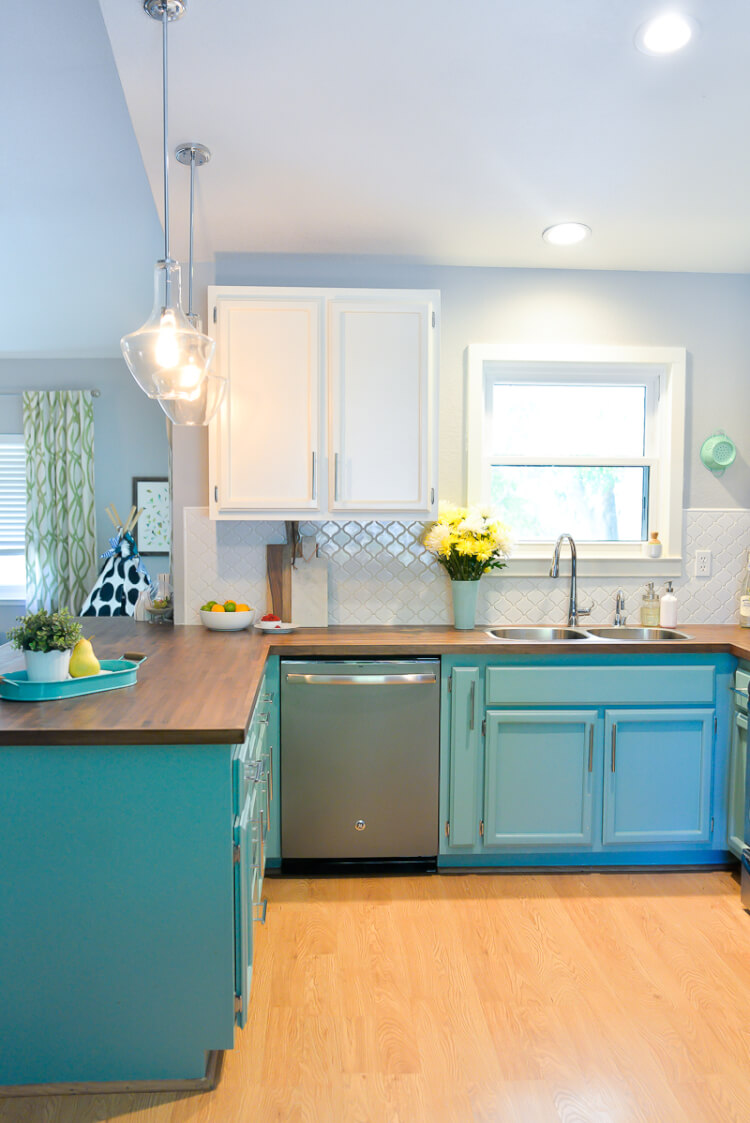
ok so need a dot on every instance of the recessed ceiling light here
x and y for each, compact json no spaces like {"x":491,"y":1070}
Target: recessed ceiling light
{"x":666,"y":33}
{"x":566,"y":233}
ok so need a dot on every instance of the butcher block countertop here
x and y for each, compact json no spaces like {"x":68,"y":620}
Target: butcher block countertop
{"x":198,"y":687}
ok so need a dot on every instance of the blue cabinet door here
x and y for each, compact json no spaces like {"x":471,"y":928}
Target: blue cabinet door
{"x":657,"y":775}
{"x":243,"y":904}
{"x":737,"y":827}
{"x":466,"y":721}
{"x":539,"y":770}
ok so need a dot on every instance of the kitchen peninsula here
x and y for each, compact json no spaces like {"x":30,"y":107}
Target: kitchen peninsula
{"x":122,"y":954}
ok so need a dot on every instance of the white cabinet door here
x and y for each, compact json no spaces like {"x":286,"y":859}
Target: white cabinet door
{"x":381,"y":358}
{"x":265,"y":444}
{"x":359,"y":364}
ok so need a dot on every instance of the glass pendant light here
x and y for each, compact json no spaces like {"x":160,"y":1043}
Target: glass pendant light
{"x":167,"y":356}
{"x":198,"y":407}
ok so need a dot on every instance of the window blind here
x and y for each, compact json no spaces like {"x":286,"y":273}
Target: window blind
{"x":12,"y":494}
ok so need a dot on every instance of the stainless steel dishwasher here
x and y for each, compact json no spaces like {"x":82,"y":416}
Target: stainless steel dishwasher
{"x":359,"y":764}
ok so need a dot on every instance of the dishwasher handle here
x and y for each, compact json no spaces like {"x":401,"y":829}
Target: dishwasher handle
{"x":297,"y":677}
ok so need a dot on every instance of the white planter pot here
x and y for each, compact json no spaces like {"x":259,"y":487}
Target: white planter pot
{"x":47,"y":666}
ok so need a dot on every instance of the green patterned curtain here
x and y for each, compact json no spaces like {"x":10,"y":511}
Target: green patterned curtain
{"x":58,"y":427}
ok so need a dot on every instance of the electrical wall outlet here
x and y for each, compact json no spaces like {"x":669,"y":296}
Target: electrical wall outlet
{"x":702,"y":563}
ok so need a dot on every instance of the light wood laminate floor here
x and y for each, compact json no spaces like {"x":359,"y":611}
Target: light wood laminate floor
{"x":552,"y":998}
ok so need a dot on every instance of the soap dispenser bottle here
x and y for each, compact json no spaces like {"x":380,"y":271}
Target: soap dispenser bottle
{"x":650,"y":607}
{"x":668,"y":608}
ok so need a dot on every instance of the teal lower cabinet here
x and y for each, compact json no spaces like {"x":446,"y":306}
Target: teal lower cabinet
{"x":539,"y":772}
{"x":131,"y":885}
{"x":585,"y":760}
{"x":737,"y":832}
{"x":658,"y":775}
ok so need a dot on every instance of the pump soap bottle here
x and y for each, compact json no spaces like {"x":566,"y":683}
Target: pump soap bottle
{"x":668,"y":608}
{"x":745,"y":597}
{"x":650,"y":607}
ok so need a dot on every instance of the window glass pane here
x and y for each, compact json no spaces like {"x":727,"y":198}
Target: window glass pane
{"x":598,"y":504}
{"x":542,"y":421}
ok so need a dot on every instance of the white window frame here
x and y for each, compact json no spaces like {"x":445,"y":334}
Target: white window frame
{"x":662,"y":371}
{"x":12,"y":594}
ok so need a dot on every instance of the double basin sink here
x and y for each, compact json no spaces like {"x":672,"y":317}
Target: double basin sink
{"x":564,"y":635}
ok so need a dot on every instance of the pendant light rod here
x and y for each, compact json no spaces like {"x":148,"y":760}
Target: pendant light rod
{"x":165,"y":11}
{"x":165,"y":127}
{"x":196,"y":155}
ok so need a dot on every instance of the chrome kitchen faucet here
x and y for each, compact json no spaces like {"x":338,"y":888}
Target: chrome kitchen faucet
{"x":573,"y":610}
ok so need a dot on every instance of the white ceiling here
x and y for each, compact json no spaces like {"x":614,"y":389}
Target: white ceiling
{"x":431,"y":130}
{"x":453,"y":131}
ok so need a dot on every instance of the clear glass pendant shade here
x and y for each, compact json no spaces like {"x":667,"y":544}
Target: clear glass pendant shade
{"x":200,"y":407}
{"x":167,"y":357}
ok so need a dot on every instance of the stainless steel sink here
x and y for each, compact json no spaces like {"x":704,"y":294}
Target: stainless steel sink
{"x":625,"y":634}
{"x":537,"y":635}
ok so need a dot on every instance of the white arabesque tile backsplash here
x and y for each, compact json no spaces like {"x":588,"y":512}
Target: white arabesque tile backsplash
{"x":379,"y":573}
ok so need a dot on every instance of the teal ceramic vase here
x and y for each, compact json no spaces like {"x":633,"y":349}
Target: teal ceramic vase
{"x":464,"y":603}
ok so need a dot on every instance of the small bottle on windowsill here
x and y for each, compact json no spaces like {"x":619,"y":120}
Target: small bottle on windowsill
{"x":652,"y":548}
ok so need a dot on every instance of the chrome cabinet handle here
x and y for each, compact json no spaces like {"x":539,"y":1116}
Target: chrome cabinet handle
{"x":267,"y":697}
{"x":253,"y":771}
{"x":472,"y":700}
{"x":314,"y":476}
{"x":591,"y":747}
{"x":742,"y":721}
{"x":614,"y":744}
{"x":336,"y":476}
{"x":263,"y":719}
{"x":262,"y":906}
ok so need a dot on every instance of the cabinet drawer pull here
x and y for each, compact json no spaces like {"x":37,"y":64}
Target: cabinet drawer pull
{"x":262,"y":907}
{"x":472,"y":699}
{"x":336,"y":476}
{"x":614,"y":744}
{"x":591,"y":747}
{"x":314,"y":476}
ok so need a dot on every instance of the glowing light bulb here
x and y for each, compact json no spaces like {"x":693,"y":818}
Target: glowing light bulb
{"x":167,"y":351}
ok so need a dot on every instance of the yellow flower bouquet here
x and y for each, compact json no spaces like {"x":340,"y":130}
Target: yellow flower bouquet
{"x":468,"y":541}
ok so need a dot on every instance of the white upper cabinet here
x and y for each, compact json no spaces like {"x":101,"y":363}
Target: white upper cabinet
{"x":331,"y":405}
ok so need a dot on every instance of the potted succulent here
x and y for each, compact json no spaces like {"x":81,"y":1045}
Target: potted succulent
{"x":46,"y":639}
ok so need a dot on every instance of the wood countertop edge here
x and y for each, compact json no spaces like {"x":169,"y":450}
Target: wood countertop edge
{"x":135,"y":718}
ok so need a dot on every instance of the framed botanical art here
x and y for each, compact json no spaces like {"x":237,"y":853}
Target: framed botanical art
{"x":152,"y":531}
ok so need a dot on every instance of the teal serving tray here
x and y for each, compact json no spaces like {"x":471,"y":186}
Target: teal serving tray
{"x":114,"y":675}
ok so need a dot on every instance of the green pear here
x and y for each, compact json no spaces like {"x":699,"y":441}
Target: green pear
{"x":83,"y":662}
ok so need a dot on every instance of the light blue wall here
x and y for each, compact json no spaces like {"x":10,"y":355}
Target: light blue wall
{"x":129,"y":433}
{"x":704,"y":312}
{"x":707,"y":313}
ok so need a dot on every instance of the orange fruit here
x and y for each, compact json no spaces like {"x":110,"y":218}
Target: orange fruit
{"x":243,"y":607}
{"x":218,"y":608}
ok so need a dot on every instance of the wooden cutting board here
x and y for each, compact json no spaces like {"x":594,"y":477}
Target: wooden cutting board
{"x":279,"y":580}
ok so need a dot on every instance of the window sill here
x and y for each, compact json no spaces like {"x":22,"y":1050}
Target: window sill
{"x":10,"y":594}
{"x":592,"y":566}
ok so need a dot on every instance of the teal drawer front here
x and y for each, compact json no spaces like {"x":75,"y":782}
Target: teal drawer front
{"x":598,"y":686}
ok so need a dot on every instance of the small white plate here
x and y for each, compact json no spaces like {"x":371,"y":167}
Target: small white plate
{"x":274,"y":626}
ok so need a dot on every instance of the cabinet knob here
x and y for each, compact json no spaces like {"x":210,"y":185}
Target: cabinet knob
{"x":360,"y":825}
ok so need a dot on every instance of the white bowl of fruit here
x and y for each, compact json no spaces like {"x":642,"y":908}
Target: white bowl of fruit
{"x":229,"y":616}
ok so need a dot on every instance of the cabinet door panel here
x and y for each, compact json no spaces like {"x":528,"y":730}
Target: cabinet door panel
{"x":539,"y":777}
{"x":738,"y":833}
{"x":379,"y":364}
{"x":657,"y":784}
{"x":465,"y":724}
{"x":268,"y":428}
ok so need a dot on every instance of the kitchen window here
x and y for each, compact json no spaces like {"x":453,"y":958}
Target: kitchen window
{"x":585,"y":440}
{"x":12,"y":517}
